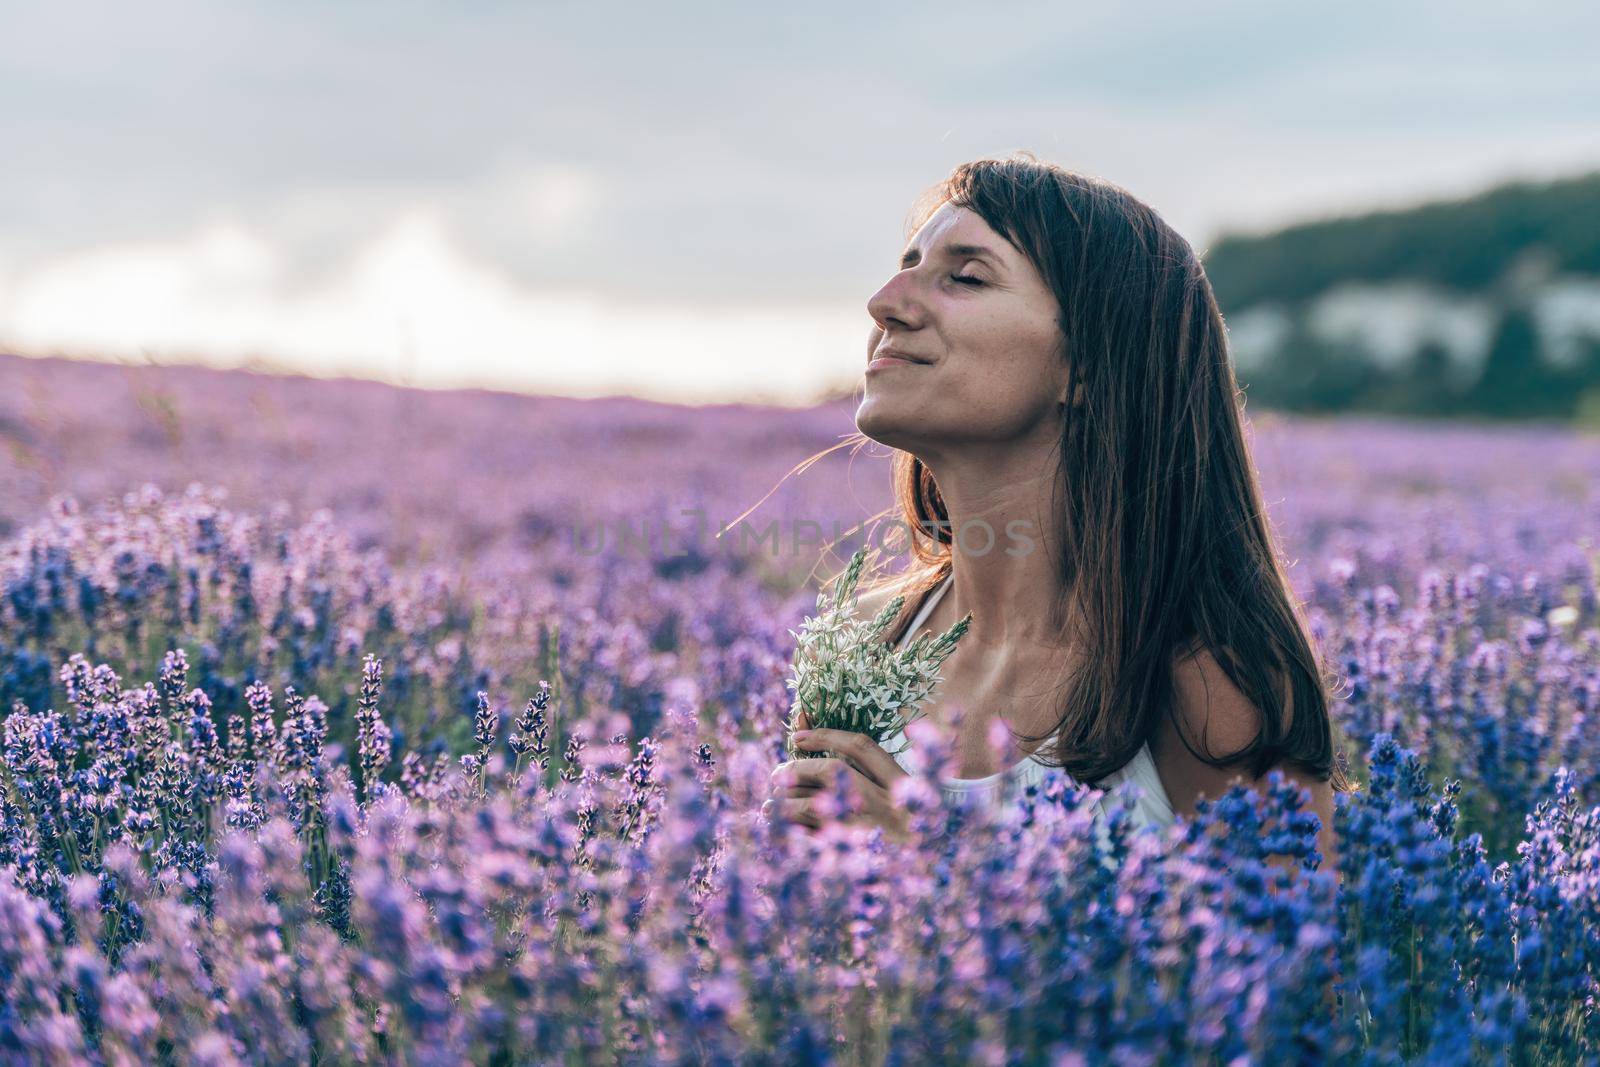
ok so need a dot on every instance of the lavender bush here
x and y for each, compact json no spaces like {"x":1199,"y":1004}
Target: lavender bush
{"x":273,"y":790}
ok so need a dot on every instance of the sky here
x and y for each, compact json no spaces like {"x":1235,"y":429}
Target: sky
{"x":690,"y":202}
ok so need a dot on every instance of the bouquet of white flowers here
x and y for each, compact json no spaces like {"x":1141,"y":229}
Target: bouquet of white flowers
{"x":844,"y":678}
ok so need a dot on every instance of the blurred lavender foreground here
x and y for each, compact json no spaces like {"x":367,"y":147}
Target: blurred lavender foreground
{"x":325,"y":740}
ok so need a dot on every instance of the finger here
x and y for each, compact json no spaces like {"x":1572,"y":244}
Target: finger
{"x":798,"y":811}
{"x":780,"y":776}
{"x":791,"y":786}
{"x":816,"y":772}
{"x":804,"y":721}
{"x":846,"y":789}
{"x":856,"y":749}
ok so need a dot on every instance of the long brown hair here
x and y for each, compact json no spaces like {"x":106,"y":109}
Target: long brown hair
{"x":1165,"y":543}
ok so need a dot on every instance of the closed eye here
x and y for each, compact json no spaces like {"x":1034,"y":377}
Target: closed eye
{"x":966,"y":279}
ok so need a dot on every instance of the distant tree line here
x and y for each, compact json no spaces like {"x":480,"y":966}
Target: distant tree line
{"x":1515,"y":380}
{"x":1463,"y":246}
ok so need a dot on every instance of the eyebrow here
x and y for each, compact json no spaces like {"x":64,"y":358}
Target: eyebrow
{"x":912,"y":255}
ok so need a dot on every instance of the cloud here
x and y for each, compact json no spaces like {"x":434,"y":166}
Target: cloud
{"x":412,"y":305}
{"x":716,"y":157}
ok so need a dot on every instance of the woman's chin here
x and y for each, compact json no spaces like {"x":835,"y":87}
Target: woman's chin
{"x":882,"y":422}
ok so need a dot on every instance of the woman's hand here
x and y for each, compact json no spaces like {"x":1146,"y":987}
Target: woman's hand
{"x":869,"y":770}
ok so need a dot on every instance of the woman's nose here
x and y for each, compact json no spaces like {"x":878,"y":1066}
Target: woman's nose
{"x":891,"y":305}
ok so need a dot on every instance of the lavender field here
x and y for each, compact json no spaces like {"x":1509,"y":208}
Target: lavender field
{"x":349,"y":724}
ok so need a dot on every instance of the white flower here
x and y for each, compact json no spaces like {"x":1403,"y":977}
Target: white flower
{"x":846,"y":678}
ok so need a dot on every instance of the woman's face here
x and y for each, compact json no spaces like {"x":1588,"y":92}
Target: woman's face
{"x":982,"y":328}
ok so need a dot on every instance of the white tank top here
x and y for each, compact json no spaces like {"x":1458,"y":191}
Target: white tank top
{"x":1152,"y":806}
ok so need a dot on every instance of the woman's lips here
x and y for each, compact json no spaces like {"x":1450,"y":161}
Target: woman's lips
{"x":886,"y":357}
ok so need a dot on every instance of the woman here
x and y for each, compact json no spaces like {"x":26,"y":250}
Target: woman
{"x":1051,"y":365}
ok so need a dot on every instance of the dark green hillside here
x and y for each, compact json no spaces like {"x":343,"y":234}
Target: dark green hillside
{"x":1499,"y":255}
{"x":1461,"y":245}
